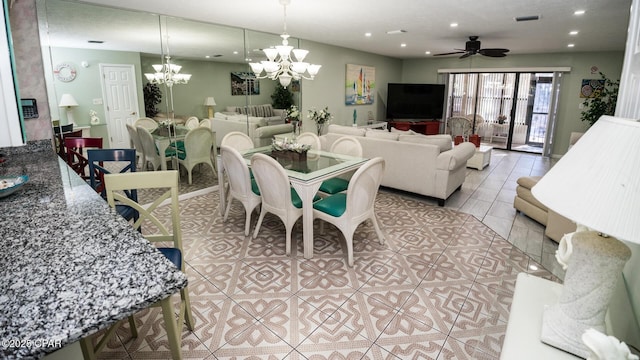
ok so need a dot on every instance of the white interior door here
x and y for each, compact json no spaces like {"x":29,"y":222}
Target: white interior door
{"x":121,"y":96}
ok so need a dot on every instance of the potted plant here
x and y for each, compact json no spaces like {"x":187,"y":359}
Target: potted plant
{"x":152,"y":97}
{"x":603,"y":102}
{"x":281,"y":97}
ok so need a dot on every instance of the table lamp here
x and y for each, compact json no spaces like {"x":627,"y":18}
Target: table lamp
{"x":69,"y":102}
{"x":210,"y":102}
{"x":596,"y":184}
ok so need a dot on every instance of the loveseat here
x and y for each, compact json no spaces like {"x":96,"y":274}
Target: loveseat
{"x":423,"y":164}
{"x":259,"y":129}
{"x":270,"y":115}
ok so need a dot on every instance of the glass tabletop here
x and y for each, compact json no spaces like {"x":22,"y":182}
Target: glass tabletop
{"x":313,"y":164}
{"x":164,"y":133}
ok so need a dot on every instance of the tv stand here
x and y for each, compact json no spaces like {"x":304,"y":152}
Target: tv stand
{"x":427,"y":127}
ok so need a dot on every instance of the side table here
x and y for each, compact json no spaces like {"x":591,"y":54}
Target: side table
{"x":481,"y":158}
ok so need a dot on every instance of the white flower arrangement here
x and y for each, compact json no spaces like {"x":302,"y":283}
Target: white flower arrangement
{"x":166,"y":123}
{"x":293,"y":114}
{"x":320,"y":117}
{"x":288,"y":145}
{"x":93,"y":115}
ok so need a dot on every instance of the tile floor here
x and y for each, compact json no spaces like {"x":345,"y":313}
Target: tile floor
{"x":440,"y":287}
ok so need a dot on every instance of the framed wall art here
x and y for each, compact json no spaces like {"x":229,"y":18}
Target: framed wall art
{"x":360,"y":84}
{"x":244,"y":83}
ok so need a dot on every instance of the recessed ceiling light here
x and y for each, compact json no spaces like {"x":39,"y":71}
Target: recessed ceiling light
{"x":207,"y":56}
{"x":427,"y":52}
{"x":571,"y":45}
{"x":579,"y":12}
{"x":403,"y":45}
{"x":573,"y":33}
{"x":533,"y":267}
{"x":235,"y":53}
{"x":453,"y":25}
{"x":367,"y":34}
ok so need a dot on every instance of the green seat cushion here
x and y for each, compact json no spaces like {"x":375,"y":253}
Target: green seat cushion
{"x":170,"y":152}
{"x":297,"y":202}
{"x":254,"y":187}
{"x":180,"y":153}
{"x":334,"y":205}
{"x":177,"y":145}
{"x":334,"y":186}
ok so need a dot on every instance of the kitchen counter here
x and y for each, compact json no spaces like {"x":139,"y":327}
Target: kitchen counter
{"x":69,"y":265}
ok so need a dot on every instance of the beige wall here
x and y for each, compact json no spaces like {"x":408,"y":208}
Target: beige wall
{"x":610,"y":63}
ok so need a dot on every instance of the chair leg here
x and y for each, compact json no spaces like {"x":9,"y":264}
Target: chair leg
{"x":172,"y":328}
{"x":188,"y":317}
{"x":377,"y":227}
{"x":247,"y":221}
{"x":132,"y":325}
{"x":259,"y":223}
{"x":226,"y":213}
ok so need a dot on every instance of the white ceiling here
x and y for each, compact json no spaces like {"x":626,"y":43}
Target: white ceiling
{"x":343,"y":23}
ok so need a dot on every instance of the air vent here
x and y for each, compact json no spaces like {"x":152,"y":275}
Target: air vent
{"x":528,"y":18}
{"x":95,"y":42}
{"x":395,"y":32}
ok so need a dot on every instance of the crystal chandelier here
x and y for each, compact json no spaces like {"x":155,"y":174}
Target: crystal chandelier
{"x":280,"y":65}
{"x":168,"y":74}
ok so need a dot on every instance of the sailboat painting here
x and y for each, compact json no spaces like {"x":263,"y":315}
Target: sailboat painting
{"x":360,"y":84}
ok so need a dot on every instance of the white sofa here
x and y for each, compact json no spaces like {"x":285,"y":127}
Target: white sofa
{"x":259,"y":129}
{"x":266,"y":111}
{"x":423,"y":164}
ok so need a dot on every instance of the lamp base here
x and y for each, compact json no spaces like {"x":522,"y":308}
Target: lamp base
{"x":594,"y":266}
{"x":210,"y":112}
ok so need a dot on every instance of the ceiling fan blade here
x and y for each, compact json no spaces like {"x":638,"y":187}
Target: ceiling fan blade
{"x":494,"y":52}
{"x":466,"y":55}
{"x":450,"y":53}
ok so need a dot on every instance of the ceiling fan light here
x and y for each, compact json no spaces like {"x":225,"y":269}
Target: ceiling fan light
{"x":256,"y":68}
{"x":300,"y":54}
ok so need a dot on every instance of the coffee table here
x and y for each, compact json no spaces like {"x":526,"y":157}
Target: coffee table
{"x":481,"y":158}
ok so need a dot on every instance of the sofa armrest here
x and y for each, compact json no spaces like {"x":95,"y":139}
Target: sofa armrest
{"x":264,"y":134}
{"x":456,"y":157}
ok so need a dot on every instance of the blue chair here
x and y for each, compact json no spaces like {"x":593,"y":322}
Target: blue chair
{"x":126,"y":158}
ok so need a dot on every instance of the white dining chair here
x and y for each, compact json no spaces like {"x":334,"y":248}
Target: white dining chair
{"x":135,"y":141}
{"x":309,"y":138}
{"x":278,"y":197}
{"x":241,"y":186}
{"x":192,"y":122}
{"x":348,"y":210}
{"x":146,"y":123}
{"x":206,"y":123}
{"x":198,"y":148}
{"x":346,"y":145}
{"x":237,"y":140}
{"x":150,"y":150}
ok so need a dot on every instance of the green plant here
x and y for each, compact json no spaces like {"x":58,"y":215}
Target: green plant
{"x":281,"y":97}
{"x":152,"y":97}
{"x":603,"y":103}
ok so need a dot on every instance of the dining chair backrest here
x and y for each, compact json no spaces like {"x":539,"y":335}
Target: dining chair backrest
{"x":63,"y":129}
{"x":206,"y":123}
{"x":135,"y":141}
{"x":146,"y":123}
{"x":237,"y":140}
{"x":347,"y":145}
{"x":240,"y":184}
{"x":198,"y":149}
{"x":192,"y":122}
{"x":148,"y":148}
{"x":107,"y":161}
{"x":75,"y":152}
{"x":309,"y":138}
{"x":363,"y":187}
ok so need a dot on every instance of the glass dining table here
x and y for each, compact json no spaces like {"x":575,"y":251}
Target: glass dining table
{"x":306,"y":174}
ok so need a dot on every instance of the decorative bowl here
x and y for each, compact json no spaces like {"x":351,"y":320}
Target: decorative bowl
{"x":10,"y":184}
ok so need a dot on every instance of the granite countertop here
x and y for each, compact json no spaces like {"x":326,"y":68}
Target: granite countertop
{"x":70,"y":265}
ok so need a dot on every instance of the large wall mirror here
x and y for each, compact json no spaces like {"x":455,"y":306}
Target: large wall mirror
{"x":81,"y":41}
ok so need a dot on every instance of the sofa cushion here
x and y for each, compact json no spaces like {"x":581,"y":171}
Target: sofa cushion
{"x":380,"y":134}
{"x":443,"y":142}
{"x":346,"y":130}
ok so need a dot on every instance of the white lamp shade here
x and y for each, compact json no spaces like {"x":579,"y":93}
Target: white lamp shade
{"x":209,"y":101}
{"x":597,"y":182}
{"x":67,"y":100}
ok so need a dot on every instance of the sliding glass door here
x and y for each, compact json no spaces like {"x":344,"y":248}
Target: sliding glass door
{"x":508,"y":110}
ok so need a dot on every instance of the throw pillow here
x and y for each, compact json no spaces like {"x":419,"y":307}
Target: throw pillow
{"x":443,"y":142}
{"x":403,"y":132}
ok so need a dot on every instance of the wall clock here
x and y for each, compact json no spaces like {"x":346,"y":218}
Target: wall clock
{"x":65,"y":72}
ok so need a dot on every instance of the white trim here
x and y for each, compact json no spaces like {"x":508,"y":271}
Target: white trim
{"x":504,"y":70}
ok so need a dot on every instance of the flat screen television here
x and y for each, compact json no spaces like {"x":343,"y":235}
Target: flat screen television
{"x":415,"y":101}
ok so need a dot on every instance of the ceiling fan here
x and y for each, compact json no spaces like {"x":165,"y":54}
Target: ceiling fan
{"x":472,"y":47}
